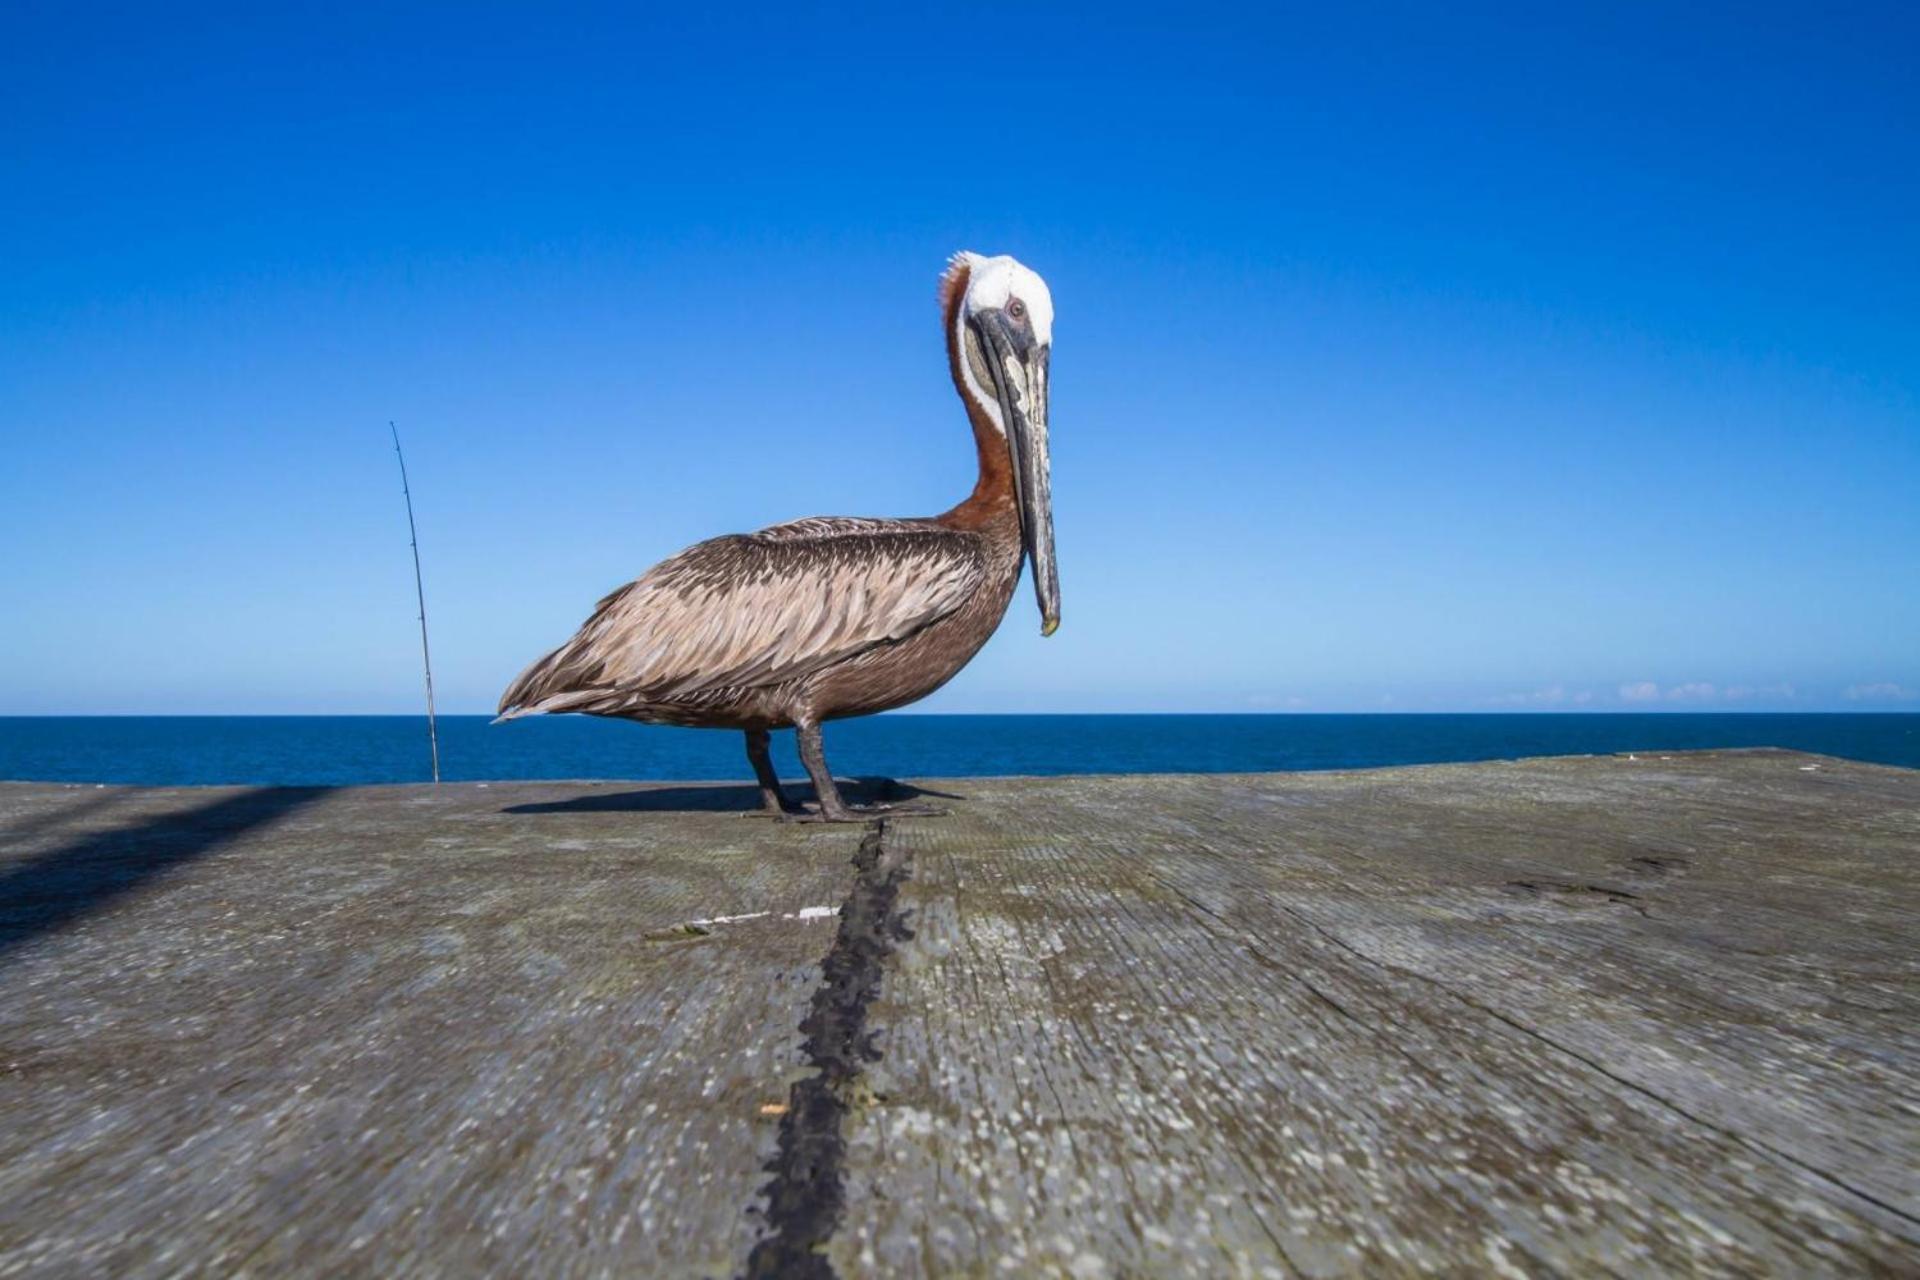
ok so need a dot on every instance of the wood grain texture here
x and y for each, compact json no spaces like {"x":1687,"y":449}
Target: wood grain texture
{"x":1598,"y":1016}
{"x":1591,"y":1016}
{"x":396,"y":1031}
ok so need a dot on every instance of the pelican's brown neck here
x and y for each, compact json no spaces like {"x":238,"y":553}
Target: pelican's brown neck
{"x":992,"y":499}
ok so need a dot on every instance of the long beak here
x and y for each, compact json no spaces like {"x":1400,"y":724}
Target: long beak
{"x":1020,"y":377}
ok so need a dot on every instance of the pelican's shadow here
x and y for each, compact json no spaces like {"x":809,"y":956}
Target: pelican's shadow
{"x":726,"y":797}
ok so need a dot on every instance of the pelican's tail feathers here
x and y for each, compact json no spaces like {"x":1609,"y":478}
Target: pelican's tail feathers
{"x":559,"y":703}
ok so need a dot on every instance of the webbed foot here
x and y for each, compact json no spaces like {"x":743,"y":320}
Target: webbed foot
{"x":778,"y":811}
{"x":841,"y":814}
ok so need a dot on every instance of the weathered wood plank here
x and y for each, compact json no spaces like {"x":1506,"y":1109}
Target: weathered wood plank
{"x":397,"y":1031}
{"x":1582,"y":1015}
{"x":1564,"y":1016}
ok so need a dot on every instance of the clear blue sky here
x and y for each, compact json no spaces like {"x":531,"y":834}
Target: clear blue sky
{"x":1435,"y":358}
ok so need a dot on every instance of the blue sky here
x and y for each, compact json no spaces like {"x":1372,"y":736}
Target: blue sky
{"x":1405,"y":359}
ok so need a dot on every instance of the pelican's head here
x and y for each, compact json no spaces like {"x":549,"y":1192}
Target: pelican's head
{"x":1002,"y":341}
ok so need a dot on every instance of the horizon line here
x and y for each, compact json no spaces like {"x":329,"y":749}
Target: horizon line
{"x":960,"y":715}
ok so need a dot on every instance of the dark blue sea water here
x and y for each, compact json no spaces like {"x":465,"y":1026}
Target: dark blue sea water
{"x":179,"y":750}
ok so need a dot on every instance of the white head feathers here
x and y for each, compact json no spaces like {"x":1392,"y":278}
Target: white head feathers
{"x":994,"y":282}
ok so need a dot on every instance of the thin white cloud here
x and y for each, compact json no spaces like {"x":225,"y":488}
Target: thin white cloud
{"x":1883,"y":691}
{"x":1765,"y":693}
{"x":1551,"y":696}
{"x":1693,"y":691}
{"x":1641,"y":691}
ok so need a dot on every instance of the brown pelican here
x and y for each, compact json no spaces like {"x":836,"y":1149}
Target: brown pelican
{"x":837,"y":616}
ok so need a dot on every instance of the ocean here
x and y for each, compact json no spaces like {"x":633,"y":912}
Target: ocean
{"x":339,"y":750}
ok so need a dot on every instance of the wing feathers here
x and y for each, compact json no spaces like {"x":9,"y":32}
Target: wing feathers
{"x":756,"y":610}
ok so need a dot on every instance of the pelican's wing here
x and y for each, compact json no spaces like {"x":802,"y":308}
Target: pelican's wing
{"x":756,"y":609}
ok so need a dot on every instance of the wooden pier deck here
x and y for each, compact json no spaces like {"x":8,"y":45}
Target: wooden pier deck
{"x":1574,"y":1016}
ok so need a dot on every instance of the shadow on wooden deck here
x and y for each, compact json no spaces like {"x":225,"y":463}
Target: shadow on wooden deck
{"x":723,"y":797}
{"x":56,"y":887}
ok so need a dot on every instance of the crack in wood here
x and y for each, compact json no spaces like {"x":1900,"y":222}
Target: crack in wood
{"x":807,"y":1195}
{"x":1750,"y":1141}
{"x":1577,"y":892}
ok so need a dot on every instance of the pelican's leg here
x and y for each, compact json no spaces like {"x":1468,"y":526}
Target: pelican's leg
{"x":773,"y":798}
{"x":814,"y":756}
{"x":832,"y":807}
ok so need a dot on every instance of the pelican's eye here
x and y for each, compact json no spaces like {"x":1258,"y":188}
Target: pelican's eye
{"x":1017,"y":309}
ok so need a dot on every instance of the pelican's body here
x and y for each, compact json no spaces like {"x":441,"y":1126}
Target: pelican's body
{"x":839,"y":616}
